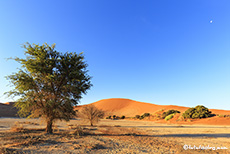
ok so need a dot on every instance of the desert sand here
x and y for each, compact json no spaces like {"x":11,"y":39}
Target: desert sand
{"x":150,"y":136}
{"x":111,"y":136}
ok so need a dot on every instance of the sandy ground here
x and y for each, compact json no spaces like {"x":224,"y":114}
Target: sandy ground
{"x":112,"y":136}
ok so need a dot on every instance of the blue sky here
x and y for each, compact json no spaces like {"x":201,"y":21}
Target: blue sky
{"x":161,"y":52}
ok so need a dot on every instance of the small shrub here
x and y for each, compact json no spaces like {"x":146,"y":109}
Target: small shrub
{"x":169,"y":116}
{"x":141,"y":117}
{"x":17,"y":128}
{"x":181,"y":118}
{"x":223,"y":115}
{"x":146,"y":115}
{"x":165,"y":114}
{"x":137,"y":116}
{"x":114,"y":116}
{"x":109,"y":117}
{"x":123,"y":117}
{"x":78,"y":131}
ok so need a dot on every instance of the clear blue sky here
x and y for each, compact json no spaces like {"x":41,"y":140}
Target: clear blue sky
{"x":162,"y":52}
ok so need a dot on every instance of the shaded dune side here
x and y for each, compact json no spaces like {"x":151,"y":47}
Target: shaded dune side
{"x":7,"y":110}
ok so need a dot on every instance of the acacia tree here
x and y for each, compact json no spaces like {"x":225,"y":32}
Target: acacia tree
{"x":49,"y":83}
{"x":91,"y":114}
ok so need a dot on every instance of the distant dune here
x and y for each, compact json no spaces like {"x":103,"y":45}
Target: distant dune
{"x":130,"y":108}
{"x":7,"y":110}
{"x":127,"y":107}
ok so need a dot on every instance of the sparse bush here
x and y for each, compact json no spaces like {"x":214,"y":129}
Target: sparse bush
{"x":169,"y":112}
{"x":78,"y":131}
{"x":223,"y":115}
{"x":17,"y":128}
{"x":91,"y":114}
{"x":146,"y":115}
{"x":114,"y":116}
{"x":169,"y":116}
{"x":123,"y":117}
{"x":137,"y":116}
{"x":141,"y":117}
{"x":198,"y":112}
{"x":109,"y":117}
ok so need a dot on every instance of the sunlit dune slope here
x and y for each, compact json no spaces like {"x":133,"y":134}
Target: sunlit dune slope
{"x":127,"y":107}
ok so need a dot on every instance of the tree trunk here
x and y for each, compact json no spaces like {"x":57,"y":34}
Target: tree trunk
{"x":91,"y":122}
{"x":49,"y":125}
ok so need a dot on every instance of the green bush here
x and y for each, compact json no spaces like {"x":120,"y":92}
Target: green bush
{"x":114,"y":116}
{"x":141,"y":117}
{"x":223,"y":115}
{"x":169,"y":116}
{"x":109,"y":117}
{"x":169,"y":112}
{"x":123,"y":117}
{"x":146,"y":115}
{"x":137,"y":116}
{"x":198,"y":112}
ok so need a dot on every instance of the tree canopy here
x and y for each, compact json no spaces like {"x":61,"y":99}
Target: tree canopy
{"x":49,"y":83}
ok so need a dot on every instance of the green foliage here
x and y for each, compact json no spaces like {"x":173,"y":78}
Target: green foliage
{"x":114,"y":116}
{"x":198,"y":112}
{"x":223,"y":115}
{"x":49,"y":83}
{"x":123,"y":117}
{"x":109,"y":117}
{"x":146,"y":115}
{"x":168,"y":117}
{"x":141,"y":117}
{"x":137,"y":116}
{"x":169,"y":112}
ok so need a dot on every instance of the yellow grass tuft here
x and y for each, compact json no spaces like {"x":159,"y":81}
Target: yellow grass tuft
{"x":17,"y":128}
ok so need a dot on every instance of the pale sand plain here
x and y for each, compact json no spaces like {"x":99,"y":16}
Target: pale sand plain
{"x":112,"y":136}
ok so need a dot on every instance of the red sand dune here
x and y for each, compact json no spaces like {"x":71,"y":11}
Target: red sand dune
{"x":127,"y":107}
{"x":130,"y":108}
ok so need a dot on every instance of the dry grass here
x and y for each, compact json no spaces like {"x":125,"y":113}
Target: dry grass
{"x":17,"y":128}
{"x":112,"y":136}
